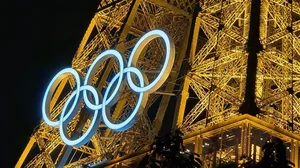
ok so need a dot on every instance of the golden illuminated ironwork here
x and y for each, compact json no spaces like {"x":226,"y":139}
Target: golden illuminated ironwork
{"x":219,"y":61}
{"x":208,"y":79}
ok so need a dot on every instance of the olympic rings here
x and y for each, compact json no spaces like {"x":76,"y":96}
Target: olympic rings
{"x":114,"y":88}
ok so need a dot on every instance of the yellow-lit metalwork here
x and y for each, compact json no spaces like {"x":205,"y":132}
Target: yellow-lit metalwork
{"x":208,"y":80}
{"x":117,"y":24}
{"x":25,"y":152}
{"x":218,"y":70}
{"x":223,"y":130}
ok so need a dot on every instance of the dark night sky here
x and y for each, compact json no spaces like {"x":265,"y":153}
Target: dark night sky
{"x":38,"y":39}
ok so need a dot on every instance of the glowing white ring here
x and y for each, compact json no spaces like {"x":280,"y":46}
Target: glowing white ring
{"x":91,"y":73}
{"x":51,"y":88}
{"x":68,"y":113}
{"x":143,"y":98}
{"x":63,"y":122}
{"x":167,"y":66}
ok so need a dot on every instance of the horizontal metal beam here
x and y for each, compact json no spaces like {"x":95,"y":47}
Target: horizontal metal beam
{"x":173,"y":8}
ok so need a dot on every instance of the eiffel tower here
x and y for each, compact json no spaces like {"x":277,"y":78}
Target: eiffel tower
{"x":235,"y":82}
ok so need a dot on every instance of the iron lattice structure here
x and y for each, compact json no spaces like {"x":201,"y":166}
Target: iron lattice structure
{"x":219,"y":62}
{"x":209,"y":76}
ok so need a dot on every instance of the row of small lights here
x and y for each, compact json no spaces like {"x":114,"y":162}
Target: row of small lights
{"x":239,"y":146}
{"x":205,"y":144}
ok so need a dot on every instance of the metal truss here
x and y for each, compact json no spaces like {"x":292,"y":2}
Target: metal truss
{"x":117,"y":24}
{"x":212,"y":40}
{"x":218,"y":66}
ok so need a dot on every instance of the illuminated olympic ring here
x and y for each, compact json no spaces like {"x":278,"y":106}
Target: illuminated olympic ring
{"x":114,"y":88}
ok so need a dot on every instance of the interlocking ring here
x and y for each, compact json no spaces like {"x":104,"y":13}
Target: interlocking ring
{"x":112,"y":92}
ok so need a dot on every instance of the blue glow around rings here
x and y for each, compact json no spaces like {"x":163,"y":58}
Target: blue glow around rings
{"x":63,"y":124}
{"x":169,"y":60}
{"x":130,"y":120}
{"x":50,"y":90}
{"x":110,"y":97}
{"x":93,"y":69}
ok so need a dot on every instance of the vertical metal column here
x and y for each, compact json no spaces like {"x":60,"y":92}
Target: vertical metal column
{"x":181,"y":103}
{"x":245,"y":139}
{"x":221,"y":146}
{"x":253,"y":48}
{"x":297,"y":153}
{"x":294,"y":154}
{"x":171,"y":85}
{"x":193,"y":41}
{"x":198,"y":145}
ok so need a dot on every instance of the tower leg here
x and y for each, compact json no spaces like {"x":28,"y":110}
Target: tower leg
{"x":25,"y":152}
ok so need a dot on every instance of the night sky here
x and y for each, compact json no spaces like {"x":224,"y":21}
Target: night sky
{"x":38,"y":38}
